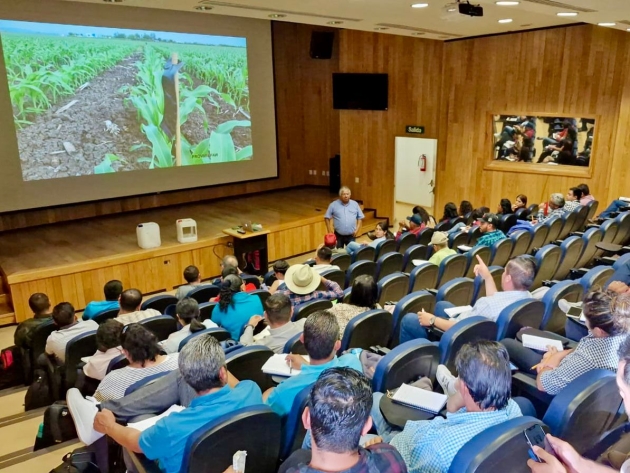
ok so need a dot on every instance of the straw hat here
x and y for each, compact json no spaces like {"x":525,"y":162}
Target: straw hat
{"x":302,"y":279}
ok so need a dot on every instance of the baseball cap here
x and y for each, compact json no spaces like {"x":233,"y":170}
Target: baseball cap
{"x":439,"y":238}
{"x":415,"y":218}
{"x":330,"y":240}
{"x":489,"y":218}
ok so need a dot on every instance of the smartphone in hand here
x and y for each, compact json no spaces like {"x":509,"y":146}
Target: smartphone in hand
{"x":535,"y":436}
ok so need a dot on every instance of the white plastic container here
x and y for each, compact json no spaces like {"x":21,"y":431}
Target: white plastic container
{"x":186,"y":230}
{"x":148,"y":235}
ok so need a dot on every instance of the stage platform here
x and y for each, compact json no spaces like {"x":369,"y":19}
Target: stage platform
{"x":72,"y":261}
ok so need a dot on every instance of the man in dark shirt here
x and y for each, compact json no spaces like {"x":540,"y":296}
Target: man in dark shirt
{"x":338,"y":414}
{"x":40,"y":305}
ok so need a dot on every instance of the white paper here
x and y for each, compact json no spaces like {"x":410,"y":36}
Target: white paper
{"x":277,"y":365}
{"x":541,"y":343}
{"x":86,"y":359}
{"x":625,"y":199}
{"x":455,"y":311}
{"x":420,"y":398}
{"x":418,"y":262}
{"x":464,"y":248}
{"x":265,"y":333}
{"x":151,"y":421}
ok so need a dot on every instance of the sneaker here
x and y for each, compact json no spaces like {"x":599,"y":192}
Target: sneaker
{"x":83,"y":413}
{"x":446,"y":380}
{"x":565,"y":305}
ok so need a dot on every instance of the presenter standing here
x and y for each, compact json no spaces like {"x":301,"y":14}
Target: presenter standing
{"x":346,"y":218}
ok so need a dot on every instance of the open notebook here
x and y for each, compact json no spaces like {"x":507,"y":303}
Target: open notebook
{"x":464,"y":248}
{"x":540,"y":343}
{"x":151,"y":421}
{"x":420,"y":399}
{"x":277,"y":366}
{"x":455,"y":311}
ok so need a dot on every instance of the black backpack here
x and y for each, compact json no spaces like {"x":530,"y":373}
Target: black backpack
{"x":80,"y":460}
{"x":38,"y":393}
{"x":58,"y":426}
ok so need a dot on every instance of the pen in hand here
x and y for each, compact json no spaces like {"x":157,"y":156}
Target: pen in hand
{"x":290,"y":366}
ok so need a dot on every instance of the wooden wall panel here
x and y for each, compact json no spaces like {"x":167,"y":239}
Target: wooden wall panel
{"x":367,"y":137}
{"x":574,"y":71}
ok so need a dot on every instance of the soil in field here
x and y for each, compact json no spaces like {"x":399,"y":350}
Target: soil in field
{"x":41,"y":145}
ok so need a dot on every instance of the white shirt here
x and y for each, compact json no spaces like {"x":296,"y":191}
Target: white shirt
{"x":171,"y":344}
{"x":320,"y":268}
{"x":96,"y":367}
{"x":58,"y":340}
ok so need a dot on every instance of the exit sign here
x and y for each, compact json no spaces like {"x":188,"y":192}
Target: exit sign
{"x":418,"y":130}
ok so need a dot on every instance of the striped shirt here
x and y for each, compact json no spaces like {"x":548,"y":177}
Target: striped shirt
{"x":116,"y":382}
{"x":137,"y":316}
{"x":333,"y":291}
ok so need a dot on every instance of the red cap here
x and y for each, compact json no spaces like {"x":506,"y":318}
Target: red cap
{"x":330,"y":240}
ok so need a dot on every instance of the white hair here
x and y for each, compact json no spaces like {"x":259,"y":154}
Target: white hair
{"x":344,"y":188}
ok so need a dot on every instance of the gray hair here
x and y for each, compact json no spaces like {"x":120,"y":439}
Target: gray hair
{"x":557,"y":199}
{"x":230,"y":260}
{"x":200,"y":363}
{"x":344,"y":188}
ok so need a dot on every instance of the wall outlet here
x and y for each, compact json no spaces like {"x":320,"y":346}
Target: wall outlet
{"x":310,"y":172}
{"x":356,"y":180}
{"x":323,"y":173}
{"x":328,"y":173}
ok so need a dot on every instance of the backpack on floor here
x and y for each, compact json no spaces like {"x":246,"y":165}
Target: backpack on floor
{"x":38,"y":393}
{"x":11,"y":373}
{"x":80,"y":460}
{"x":58,"y":425}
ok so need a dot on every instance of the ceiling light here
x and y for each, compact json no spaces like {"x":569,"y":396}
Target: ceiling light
{"x":507,"y":4}
{"x":380,"y":29}
{"x":277,"y":15}
{"x":203,"y":8}
{"x":450,"y":10}
{"x":113,"y":1}
{"x":567,"y":13}
{"x":418,"y":33}
{"x":419,"y":5}
{"x":606,"y":24}
{"x":506,"y":20}
{"x":334,"y":22}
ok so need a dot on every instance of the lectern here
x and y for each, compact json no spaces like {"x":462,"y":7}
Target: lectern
{"x":248,"y":242}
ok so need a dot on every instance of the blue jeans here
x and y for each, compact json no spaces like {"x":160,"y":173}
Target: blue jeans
{"x":614,"y":206}
{"x":574,"y":330}
{"x":456,"y":228}
{"x":410,"y":327}
{"x":353,"y":247}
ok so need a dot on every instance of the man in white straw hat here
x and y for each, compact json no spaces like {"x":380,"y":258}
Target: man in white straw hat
{"x":439,"y":240}
{"x":302,"y":282}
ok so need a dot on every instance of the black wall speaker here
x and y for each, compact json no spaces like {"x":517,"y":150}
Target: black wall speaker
{"x":335,"y":174}
{"x":322,"y":44}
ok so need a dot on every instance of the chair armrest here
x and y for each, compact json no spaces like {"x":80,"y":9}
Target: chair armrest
{"x":550,"y":283}
{"x":432,"y":291}
{"x":525,"y":385}
{"x":142,"y":463}
{"x":576,"y":234}
{"x":577,"y":273}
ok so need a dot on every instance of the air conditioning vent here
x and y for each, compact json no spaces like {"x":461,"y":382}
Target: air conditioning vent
{"x":274,"y":10}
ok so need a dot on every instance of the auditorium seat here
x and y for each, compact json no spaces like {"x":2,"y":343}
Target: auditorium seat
{"x":392,"y":288}
{"x":247,"y":363}
{"x":596,"y":277}
{"x":411,"y":303}
{"x":342,"y":260}
{"x":269,"y":278}
{"x":468,"y":330}
{"x":591,"y":237}
{"x":521,"y":240}
{"x":521,"y":214}
{"x":554,"y":226}
{"x":585,"y":409}
{"x":554,"y":319}
{"x":423,"y":276}
{"x":571,"y":250}
{"x":159,"y":302}
{"x":219,"y":333}
{"x":500,"y":252}
{"x":623,"y":230}
{"x":533,"y":209}
{"x":295,"y":345}
{"x":519,"y":314}
{"x":424,"y":236}
{"x":116,"y":363}
{"x":161,"y":326}
{"x":204,"y":293}
{"x":547,"y":262}
{"x":144,"y":381}
{"x":405,"y":364}
{"x":412,"y":253}
{"x":387,"y":264}
{"x":205,"y":310}
{"x":105,"y":315}
{"x":580,"y":221}
{"x":38,"y":345}
{"x":293,"y":431}
{"x":608,"y":230}
{"x":451,"y":267}
{"x":336,"y":275}
{"x":458,"y":291}
{"x":78,"y":347}
{"x":171,"y":310}
{"x":370,"y":328}
{"x":302,"y":311}
{"x":346,"y":295}
{"x":444,"y":226}
{"x":366,"y":253}
{"x":384,"y":247}
{"x":406,"y":241}
{"x":506,"y":222}
{"x":250,"y":279}
{"x":457,"y":239}
{"x":592,"y":209}
{"x":494,"y":448}
{"x":479,"y":285}
{"x":538,"y":237}
{"x":568,"y":223}
{"x":473,"y":235}
{"x":484,"y":252}
{"x":359,"y":268}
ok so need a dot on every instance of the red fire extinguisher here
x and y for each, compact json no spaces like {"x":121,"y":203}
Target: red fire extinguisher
{"x":422,"y":163}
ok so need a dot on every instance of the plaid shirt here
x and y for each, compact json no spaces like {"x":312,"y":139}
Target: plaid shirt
{"x":559,"y":212}
{"x":490,"y":238}
{"x":570,"y":206}
{"x":490,"y":307}
{"x":591,"y":353}
{"x":378,"y":458}
{"x":333,"y":291}
{"x":429,"y":446}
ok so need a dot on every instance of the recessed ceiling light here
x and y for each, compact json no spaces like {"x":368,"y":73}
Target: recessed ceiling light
{"x":419,"y":5}
{"x":606,"y":24}
{"x":628,"y":29}
{"x":567,"y":13}
{"x":380,"y":29}
{"x":450,"y":10}
{"x":506,"y":20}
{"x":507,"y":4}
{"x":334,"y":22}
{"x":277,"y":15}
{"x":203,"y":8}
{"x":113,"y":1}
{"x":418,"y":33}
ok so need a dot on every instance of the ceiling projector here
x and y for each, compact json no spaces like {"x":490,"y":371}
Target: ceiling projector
{"x":466,"y":8}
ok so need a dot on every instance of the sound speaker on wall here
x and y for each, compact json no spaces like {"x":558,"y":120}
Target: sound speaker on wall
{"x":322,"y":44}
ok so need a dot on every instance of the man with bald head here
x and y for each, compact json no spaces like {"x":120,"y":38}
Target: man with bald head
{"x":344,"y":218}
{"x":130,"y":301}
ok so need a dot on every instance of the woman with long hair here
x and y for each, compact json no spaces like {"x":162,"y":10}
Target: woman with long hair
{"x":235,"y":306}
{"x":363,"y":297}
{"x":381,"y":233}
{"x":428,"y":220}
{"x":187,"y":311}
{"x":520,"y":202}
{"x":450,"y":211}
{"x":505,"y":207}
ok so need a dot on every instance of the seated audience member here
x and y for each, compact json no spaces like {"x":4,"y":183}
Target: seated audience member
{"x":216,"y":393}
{"x":516,"y":280}
{"x":439,"y":240}
{"x":505,"y":207}
{"x":428,"y":220}
{"x":279,"y":270}
{"x":490,"y":234}
{"x":279,"y":328}
{"x":381,"y":233}
{"x":552,"y":209}
{"x":130,"y":302}
{"x":338,"y":415}
{"x":235,"y":306}
{"x":572,"y":200}
{"x":141,"y":348}
{"x":519,"y":203}
{"x":323,"y":255}
{"x":608,"y":320}
{"x":302,"y":282}
{"x":413,"y":225}
{"x":586,"y":194}
{"x":228,"y":261}
{"x":482,"y":401}
{"x":566,"y":459}
{"x":615,"y":206}
{"x":193,"y":280}
{"x":227,"y":271}
{"x":450,"y":211}
{"x":321,"y":341}
{"x":67,"y":328}
{"x":40,"y":305}
{"x":363,"y":297}
{"x":188,"y":316}
{"x":112,"y":290}
{"x":474,"y":216}
{"x":107,"y":348}
{"x":465,"y":208}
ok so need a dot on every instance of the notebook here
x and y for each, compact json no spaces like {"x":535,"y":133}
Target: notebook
{"x":540,"y":343}
{"x":455,"y":311}
{"x":418,"y":262}
{"x":625,"y":199}
{"x":464,"y":248}
{"x":420,"y":399}
{"x":277,"y":365}
{"x":151,"y":421}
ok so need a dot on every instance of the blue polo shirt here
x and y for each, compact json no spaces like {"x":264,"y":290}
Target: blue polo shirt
{"x":344,"y":216}
{"x":166,"y":440}
{"x":281,"y":398}
{"x":235,"y":317}
{"x":96,"y":307}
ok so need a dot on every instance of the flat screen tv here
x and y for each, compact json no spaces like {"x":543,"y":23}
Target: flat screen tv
{"x":360,"y":91}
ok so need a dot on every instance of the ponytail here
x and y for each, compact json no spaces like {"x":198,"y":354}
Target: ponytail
{"x":196,"y":326}
{"x":229,"y":286}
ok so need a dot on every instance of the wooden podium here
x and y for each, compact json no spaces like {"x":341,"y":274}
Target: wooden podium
{"x":248,"y":242}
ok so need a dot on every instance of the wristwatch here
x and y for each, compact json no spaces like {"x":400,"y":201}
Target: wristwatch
{"x":432,"y":321}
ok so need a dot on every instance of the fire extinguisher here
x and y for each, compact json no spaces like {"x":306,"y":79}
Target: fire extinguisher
{"x":422,"y":163}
